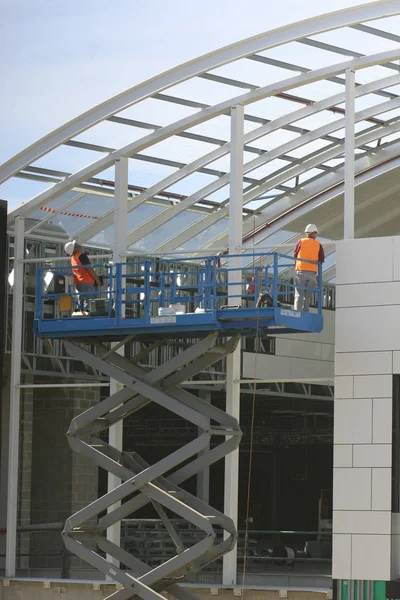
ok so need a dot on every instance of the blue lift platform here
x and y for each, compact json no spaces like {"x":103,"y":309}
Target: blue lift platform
{"x":184,"y":296}
{"x":151,"y":300}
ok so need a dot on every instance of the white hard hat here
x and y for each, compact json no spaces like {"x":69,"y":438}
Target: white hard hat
{"x":69,"y":247}
{"x":311,"y":228}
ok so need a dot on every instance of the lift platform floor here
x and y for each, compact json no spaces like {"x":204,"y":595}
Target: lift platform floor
{"x":249,"y":321}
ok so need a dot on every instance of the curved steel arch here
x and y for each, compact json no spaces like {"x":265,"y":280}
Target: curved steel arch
{"x":262,"y":160}
{"x":200,"y":117}
{"x":326,"y":182}
{"x":212,"y":60}
{"x":369,"y":168}
{"x":288,"y":119}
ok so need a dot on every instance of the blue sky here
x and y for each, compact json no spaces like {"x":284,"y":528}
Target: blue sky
{"x":61,"y":58}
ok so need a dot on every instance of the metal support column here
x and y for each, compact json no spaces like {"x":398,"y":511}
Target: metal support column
{"x":203,"y":476}
{"x":15,"y":396}
{"x":231,"y":488}
{"x":349,"y":156}
{"x":115,"y":434}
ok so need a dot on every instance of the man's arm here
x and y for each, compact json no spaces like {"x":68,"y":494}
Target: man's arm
{"x":297,"y":249}
{"x":86,"y":262}
{"x":321,"y":254}
{"x":94,"y":275}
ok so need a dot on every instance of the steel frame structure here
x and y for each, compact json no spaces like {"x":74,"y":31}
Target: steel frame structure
{"x":308,"y":178}
{"x":140,"y":483}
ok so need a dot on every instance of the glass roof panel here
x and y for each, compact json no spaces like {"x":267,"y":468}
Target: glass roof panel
{"x":76,"y":216}
{"x":206,"y":236}
{"x":165,"y":232}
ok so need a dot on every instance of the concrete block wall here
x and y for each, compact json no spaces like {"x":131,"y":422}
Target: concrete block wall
{"x":62,"y":481}
{"x":25,"y":473}
{"x":4,"y":427}
{"x":54,"y":482}
{"x":367,"y":354}
{"x":25,"y":462}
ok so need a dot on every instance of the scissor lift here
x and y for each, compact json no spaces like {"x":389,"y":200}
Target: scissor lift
{"x":217,"y":320}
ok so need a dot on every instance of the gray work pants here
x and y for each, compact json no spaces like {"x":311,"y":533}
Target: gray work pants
{"x":302,"y":297}
{"x":83,"y":299}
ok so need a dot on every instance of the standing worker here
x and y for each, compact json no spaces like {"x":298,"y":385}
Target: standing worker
{"x":308,"y":248}
{"x":85,"y":277}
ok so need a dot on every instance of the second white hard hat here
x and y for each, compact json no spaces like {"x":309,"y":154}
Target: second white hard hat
{"x":311,"y":228}
{"x":69,"y":247}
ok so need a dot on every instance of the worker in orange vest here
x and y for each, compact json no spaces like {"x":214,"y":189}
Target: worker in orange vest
{"x":85,"y":277}
{"x":308,"y":248}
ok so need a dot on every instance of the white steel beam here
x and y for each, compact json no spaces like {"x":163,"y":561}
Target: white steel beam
{"x":309,"y":163}
{"x":203,"y":476}
{"x":346,"y":52}
{"x":200,"y":117}
{"x":121,"y":209}
{"x":366,"y":203}
{"x":212,"y":60}
{"x":306,"y":200}
{"x":15,"y":396}
{"x":260,"y":161}
{"x":277,"y":124}
{"x":373,"y":31}
{"x":290,"y":201}
{"x":115,"y":432}
{"x":281,"y":204}
{"x":349,"y":156}
{"x":231,"y":493}
{"x":371,"y":226}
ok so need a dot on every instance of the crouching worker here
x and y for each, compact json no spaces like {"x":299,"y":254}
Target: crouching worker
{"x":308,"y":248}
{"x":85,"y":277}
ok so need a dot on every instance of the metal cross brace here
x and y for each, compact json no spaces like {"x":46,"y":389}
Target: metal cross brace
{"x":142,"y":483}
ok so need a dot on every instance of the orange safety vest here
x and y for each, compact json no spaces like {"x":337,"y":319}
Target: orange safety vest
{"x":80,"y":275}
{"x":309,"y":250}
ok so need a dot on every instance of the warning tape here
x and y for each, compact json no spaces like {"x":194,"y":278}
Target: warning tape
{"x":67,"y":214}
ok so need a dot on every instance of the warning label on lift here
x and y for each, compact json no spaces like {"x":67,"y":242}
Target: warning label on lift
{"x":154,"y":320}
{"x":287,"y":312}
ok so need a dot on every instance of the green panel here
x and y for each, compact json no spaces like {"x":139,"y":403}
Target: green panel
{"x":365,"y":589}
{"x":345,"y":589}
{"x":379,"y":590}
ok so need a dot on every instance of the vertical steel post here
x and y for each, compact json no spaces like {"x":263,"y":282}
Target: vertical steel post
{"x":115,"y":435}
{"x":229,"y":573}
{"x":275,"y":282}
{"x":203,"y":476}
{"x":15,"y":396}
{"x":349,"y":156}
{"x":121,"y":209}
{"x":319,"y":287}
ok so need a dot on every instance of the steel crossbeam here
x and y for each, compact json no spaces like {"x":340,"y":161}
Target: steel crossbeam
{"x":142,"y":483}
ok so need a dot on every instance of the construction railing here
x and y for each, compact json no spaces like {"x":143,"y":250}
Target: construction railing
{"x":148,"y":288}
